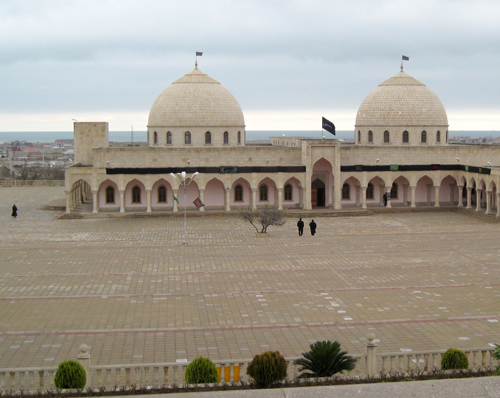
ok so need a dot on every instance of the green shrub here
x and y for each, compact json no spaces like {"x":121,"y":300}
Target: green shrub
{"x":267,"y":369}
{"x":324,"y":360}
{"x":496,"y":353}
{"x":201,"y":371}
{"x":70,"y":374}
{"x":454,"y":359}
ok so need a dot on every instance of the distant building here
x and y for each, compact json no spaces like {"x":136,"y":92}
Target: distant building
{"x":400,"y":152}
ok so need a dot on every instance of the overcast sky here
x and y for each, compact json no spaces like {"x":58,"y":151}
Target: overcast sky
{"x":287,"y":62}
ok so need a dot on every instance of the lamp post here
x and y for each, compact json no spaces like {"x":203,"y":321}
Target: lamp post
{"x":181,"y":177}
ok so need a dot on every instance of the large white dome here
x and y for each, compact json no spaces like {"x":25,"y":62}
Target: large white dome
{"x":196,"y":100}
{"x":401,"y":101}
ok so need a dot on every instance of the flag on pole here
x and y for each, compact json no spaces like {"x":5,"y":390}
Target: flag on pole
{"x":177,"y":200}
{"x":199,"y":54}
{"x":328,"y":126}
{"x":405,"y":58}
{"x":198,"y":203}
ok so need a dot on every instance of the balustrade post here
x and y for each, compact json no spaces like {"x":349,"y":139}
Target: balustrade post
{"x":483,"y":359}
{"x":227,"y":373}
{"x":165,"y":375}
{"x":84,"y":359}
{"x":137,"y":376}
{"x":371,"y":355}
{"x":127,"y":377}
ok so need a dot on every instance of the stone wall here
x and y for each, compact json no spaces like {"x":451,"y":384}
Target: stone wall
{"x":32,"y":183}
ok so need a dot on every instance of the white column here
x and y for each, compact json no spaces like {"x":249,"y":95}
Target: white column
{"x":68,"y":202}
{"x":460,"y":193}
{"x":148,"y":195}
{"x":488,"y":202}
{"x":388,"y":192}
{"x":95,"y":199}
{"x":202,"y":198}
{"x":122,"y":201}
{"x":413,"y":189}
{"x":363,"y":197}
{"x":498,"y":204}
{"x":405,"y":195}
{"x":280,"y":198}
{"x":175,"y":192}
{"x":436,"y":195}
{"x":228,"y":199}
{"x":469,"y":198}
{"x":254,"y":198}
{"x":478,"y":199}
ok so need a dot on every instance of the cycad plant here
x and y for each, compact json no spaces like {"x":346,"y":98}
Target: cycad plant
{"x":324,"y":360}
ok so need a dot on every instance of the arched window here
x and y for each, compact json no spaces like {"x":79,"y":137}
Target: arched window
{"x":187,"y":138}
{"x":288,"y":192}
{"x":136,"y":194}
{"x":162,"y":194}
{"x":226,"y":138}
{"x":110,"y":195}
{"x":423,"y":137}
{"x":406,"y":138}
{"x":394,"y":191}
{"x":263,"y":193}
{"x":208,"y":138}
{"x":359,"y":136}
{"x":438,"y":136}
{"x":238,"y":193}
{"x":239,"y":137}
{"x":446,"y":136}
{"x":155,"y":138}
{"x":346,"y":191}
{"x":169,"y":138}
{"x":370,"y":136}
{"x":369,"y":191}
{"x":386,"y":136}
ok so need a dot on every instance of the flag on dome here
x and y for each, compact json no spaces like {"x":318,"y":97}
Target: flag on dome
{"x":328,"y":126}
{"x":405,"y":58}
{"x":199,"y":54}
{"x":198,"y":203}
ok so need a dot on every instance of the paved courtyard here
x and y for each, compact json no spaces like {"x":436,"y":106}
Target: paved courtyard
{"x":128,"y":288}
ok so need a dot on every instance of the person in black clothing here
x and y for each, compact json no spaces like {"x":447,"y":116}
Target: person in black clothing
{"x":300,"y":224}
{"x":14,"y":211}
{"x":385,"y":199}
{"x":312,"y":225}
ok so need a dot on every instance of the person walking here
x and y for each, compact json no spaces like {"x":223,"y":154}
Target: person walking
{"x":300,"y":224}
{"x":312,"y":225}
{"x":14,"y":211}
{"x":385,"y":199}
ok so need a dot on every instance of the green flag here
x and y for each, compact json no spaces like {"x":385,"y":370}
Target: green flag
{"x":177,"y":200}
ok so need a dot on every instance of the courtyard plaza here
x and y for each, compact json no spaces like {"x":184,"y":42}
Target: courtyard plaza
{"x":128,"y":287}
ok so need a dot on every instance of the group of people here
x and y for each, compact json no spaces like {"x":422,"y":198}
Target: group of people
{"x":300,"y":225}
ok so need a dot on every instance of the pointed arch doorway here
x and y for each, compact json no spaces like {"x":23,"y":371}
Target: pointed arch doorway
{"x":317,"y":193}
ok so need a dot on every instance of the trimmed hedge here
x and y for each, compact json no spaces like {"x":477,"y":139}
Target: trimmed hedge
{"x":201,"y":371}
{"x":70,"y":374}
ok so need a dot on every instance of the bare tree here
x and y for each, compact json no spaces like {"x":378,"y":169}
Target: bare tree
{"x":263,"y":217}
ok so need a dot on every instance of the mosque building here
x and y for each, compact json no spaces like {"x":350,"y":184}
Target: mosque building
{"x":400,"y":157}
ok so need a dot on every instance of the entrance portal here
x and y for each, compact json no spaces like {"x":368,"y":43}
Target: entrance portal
{"x":318,"y":193}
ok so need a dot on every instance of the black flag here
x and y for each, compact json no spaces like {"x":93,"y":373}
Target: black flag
{"x":328,"y":126}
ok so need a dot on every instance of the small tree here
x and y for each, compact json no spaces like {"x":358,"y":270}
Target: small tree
{"x":263,"y":217}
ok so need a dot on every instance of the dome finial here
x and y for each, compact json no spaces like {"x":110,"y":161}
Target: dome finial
{"x":196,"y":64}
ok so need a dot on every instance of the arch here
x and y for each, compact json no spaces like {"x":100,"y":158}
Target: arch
{"x":215,"y":194}
{"x":322,"y":195}
{"x":155,"y":138}
{"x":245,"y":191}
{"x":406,"y":137}
{"x":192,"y":193}
{"x":438,"y":137}
{"x":378,"y":185}
{"x":156,"y":195}
{"x":169,"y":138}
{"x":208,"y":138}
{"x":295,"y":186}
{"x":386,"y":137}
{"x":351,"y":194}
{"x":423,"y":137}
{"x":267,"y":185}
{"x":399,"y":191}
{"x":448,"y":191}
{"x":135,"y":194}
{"x":226,"y":138}
{"x":424,"y":192}
{"x":187,"y":138}
{"x":102,"y":195}
{"x":370,"y":136}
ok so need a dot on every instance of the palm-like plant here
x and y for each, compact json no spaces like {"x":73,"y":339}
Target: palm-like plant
{"x":324,"y":360}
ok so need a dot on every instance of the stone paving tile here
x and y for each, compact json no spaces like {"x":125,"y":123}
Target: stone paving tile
{"x":128,"y":287}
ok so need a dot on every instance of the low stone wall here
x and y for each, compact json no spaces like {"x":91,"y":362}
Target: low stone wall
{"x":31,"y":183}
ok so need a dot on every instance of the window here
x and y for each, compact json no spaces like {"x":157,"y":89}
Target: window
{"x":136,"y":194}
{"x":423,"y":137}
{"x":406,"y":138}
{"x":370,"y":136}
{"x":169,"y":138}
{"x":155,"y":138}
{"x":346,"y":191}
{"x":369,"y":191}
{"x":288,"y":192}
{"x":187,"y":138}
{"x":438,"y":136}
{"x":394,"y":191}
{"x":238,"y":193}
{"x":359,"y":136}
{"x":208,"y":138}
{"x":162,"y":194}
{"x":239,"y":137}
{"x":263,"y":193}
{"x":447,"y":136}
{"x":110,"y":195}
{"x":226,"y":138}
{"x":386,"y":136}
